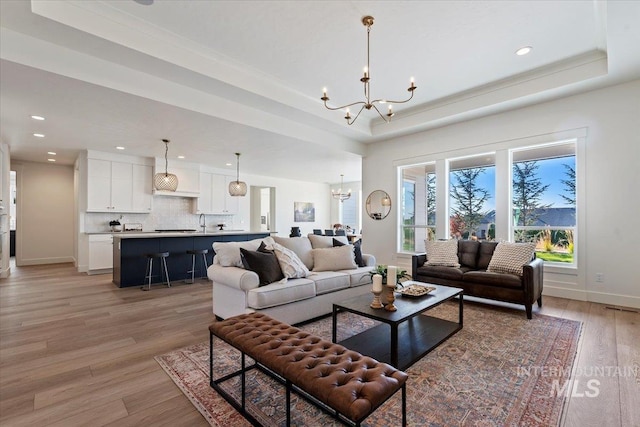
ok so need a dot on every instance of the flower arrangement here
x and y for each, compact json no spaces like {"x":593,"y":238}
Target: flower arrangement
{"x":382,"y":270}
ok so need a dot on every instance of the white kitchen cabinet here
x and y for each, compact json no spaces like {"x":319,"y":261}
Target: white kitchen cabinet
{"x":214,"y":195}
{"x":118,"y":186}
{"x":100,"y":252}
{"x":142,"y":188}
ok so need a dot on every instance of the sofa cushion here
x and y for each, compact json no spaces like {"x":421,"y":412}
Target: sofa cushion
{"x":227,"y":254}
{"x":333,"y":259}
{"x":264,"y":263}
{"x":281,"y":293}
{"x":291,"y":265}
{"x":329,"y":281}
{"x":510,"y":257}
{"x":468,"y":252}
{"x":441,"y":272}
{"x":300,"y":245}
{"x":326,"y":241}
{"x":359,"y":276}
{"x":442,"y":252}
{"x":357,"y":251}
{"x":485,"y":253}
{"x":493,"y":279}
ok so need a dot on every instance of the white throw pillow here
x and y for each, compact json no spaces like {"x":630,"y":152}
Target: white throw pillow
{"x":333,"y":259}
{"x":326,"y":241}
{"x":291,"y":265}
{"x":228,"y":253}
{"x":442,"y":252}
{"x":510,"y":257}
{"x":300,"y":245}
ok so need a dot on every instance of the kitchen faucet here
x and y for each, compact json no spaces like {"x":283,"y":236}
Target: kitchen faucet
{"x":203,"y":223}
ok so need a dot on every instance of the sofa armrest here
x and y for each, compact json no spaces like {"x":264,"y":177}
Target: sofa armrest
{"x":417,"y":260}
{"x":369,"y":260}
{"x":234,"y":277}
{"x":533,"y":278}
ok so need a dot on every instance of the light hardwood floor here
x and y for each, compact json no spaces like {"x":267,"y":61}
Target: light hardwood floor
{"x":77,"y":350}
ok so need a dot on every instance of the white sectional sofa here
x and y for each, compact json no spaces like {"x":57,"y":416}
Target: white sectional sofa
{"x":237,"y":290}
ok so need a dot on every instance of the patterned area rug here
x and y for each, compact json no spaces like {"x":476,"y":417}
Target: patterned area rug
{"x":499,"y":370}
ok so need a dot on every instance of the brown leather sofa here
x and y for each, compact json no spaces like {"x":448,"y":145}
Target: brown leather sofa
{"x":473,"y":277}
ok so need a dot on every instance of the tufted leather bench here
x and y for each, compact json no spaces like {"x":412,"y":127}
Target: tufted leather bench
{"x":344,"y":383}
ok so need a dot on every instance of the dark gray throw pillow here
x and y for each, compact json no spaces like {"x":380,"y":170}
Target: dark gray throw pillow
{"x":264,"y":263}
{"x":357,"y":251}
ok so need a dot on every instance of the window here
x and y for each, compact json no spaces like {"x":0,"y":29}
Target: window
{"x":418,"y":206}
{"x":544,"y":200}
{"x":349,"y":211}
{"x":472,"y":197}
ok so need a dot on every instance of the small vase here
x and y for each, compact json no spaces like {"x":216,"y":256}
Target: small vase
{"x":295,"y":232}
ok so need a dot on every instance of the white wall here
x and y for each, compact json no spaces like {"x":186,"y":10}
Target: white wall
{"x":45,"y":220}
{"x":4,"y":213}
{"x":610,"y":119}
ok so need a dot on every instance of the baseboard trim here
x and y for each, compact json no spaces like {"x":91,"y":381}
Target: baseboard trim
{"x":598,"y":297}
{"x":576,"y":294}
{"x":42,"y":261}
{"x":614,"y":299}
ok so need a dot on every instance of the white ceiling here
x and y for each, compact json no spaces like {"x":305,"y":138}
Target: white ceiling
{"x":218,"y":77}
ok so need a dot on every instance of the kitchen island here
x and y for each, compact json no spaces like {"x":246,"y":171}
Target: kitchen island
{"x":130,"y":248}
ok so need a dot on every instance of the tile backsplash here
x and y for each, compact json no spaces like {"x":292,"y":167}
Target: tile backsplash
{"x":168,"y":212}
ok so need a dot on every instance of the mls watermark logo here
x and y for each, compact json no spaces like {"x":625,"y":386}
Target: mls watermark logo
{"x":581,"y":382}
{"x":590,"y":388}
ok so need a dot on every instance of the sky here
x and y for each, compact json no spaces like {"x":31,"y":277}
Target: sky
{"x":550,"y":171}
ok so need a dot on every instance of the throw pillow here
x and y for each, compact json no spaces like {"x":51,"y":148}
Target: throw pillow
{"x":442,"y":252}
{"x":300,"y":245}
{"x":333,"y":259}
{"x":265,"y":264}
{"x":227,"y":254}
{"x":510,"y":257}
{"x":357,"y":251}
{"x":326,"y":241}
{"x":291,"y":265}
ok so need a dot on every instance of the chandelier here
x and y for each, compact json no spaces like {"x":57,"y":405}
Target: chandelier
{"x":237,"y":188}
{"x":367,"y":21}
{"x":165,"y":181}
{"x":339,"y":194}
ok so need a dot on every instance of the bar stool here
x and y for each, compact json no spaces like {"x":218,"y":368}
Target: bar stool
{"x":193,"y":253}
{"x":163,"y":256}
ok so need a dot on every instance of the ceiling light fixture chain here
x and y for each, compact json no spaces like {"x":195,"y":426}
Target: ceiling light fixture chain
{"x":367,"y":21}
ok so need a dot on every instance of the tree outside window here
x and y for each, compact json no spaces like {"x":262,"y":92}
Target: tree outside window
{"x":544,"y":200}
{"x":472,"y":185}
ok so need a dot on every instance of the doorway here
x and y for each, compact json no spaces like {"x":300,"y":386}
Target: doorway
{"x":263,"y":208}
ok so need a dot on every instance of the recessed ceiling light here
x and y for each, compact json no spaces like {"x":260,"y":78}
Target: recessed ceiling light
{"x":228,"y":164}
{"x":181,"y":157}
{"x":38,"y":135}
{"x":524,"y":50}
{"x":119,"y":148}
{"x":37,"y":117}
{"x":51,"y":153}
{"x":51,"y":160}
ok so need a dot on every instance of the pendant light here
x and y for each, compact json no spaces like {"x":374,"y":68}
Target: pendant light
{"x":237,"y":188}
{"x":165,"y":181}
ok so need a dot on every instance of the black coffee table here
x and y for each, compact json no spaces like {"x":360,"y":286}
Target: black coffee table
{"x":405,"y":335}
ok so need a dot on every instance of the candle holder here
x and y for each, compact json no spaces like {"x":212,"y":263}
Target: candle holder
{"x":391,"y":298}
{"x":376,"y":299}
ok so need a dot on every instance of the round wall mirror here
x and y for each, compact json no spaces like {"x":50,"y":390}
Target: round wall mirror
{"x":378,"y":204}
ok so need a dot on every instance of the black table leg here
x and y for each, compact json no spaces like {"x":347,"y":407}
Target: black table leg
{"x":394,"y":345}
{"x":334,"y":325}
